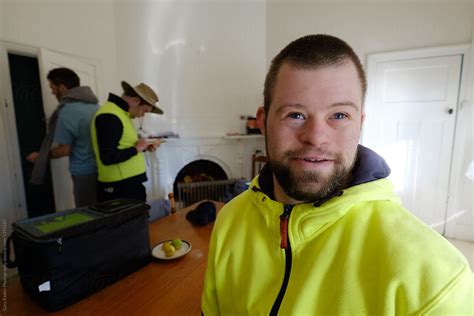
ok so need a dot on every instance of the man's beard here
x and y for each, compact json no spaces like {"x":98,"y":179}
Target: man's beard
{"x":310,"y":185}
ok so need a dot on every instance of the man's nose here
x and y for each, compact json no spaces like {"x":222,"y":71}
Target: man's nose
{"x":315,"y":131}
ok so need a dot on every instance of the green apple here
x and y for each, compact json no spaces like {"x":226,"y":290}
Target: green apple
{"x":177,"y":243}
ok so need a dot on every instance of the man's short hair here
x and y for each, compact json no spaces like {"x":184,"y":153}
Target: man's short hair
{"x":311,"y":52}
{"x":64,"y":76}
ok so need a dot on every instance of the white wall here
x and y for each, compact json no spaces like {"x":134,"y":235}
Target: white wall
{"x":84,"y":28}
{"x":371,"y":27}
{"x":388,"y":26}
{"x":1,"y":18}
{"x":205,"y":59}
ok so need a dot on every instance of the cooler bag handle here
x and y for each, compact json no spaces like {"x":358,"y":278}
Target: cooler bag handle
{"x":6,"y":255}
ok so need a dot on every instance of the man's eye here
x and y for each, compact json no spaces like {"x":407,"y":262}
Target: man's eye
{"x":339,"y":116}
{"x":296,"y":116}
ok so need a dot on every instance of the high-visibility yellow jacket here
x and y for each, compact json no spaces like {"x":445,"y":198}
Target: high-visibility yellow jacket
{"x":124,"y":170}
{"x":360,"y":253}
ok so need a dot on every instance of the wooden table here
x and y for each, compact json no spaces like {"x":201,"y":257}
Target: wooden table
{"x":161,"y":288}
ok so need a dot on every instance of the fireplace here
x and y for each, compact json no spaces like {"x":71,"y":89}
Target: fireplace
{"x":201,"y":170}
{"x":206,"y":159}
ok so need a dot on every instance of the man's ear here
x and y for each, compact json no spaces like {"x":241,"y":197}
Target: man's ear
{"x":62,"y":88}
{"x":135,"y":101}
{"x":261,"y":114}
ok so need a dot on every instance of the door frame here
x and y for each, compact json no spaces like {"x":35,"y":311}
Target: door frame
{"x":464,"y":100}
{"x":10,"y":129}
{"x":8,"y":113}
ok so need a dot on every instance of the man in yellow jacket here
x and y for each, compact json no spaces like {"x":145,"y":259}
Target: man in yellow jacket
{"x":320,"y":230}
{"x":118,"y":150}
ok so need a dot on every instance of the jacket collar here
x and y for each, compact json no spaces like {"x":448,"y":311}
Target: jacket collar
{"x":121,"y":103}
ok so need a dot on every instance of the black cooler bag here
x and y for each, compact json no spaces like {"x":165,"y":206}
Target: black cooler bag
{"x":66,"y":256}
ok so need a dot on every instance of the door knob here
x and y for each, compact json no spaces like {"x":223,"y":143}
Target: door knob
{"x":450,"y":111}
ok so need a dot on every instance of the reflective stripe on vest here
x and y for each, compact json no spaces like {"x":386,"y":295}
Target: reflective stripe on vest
{"x":129,"y":168}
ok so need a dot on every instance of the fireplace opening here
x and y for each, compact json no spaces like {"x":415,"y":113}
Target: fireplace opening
{"x":198,"y":180}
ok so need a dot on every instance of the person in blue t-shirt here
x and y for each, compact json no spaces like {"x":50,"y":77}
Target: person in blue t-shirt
{"x":69,"y":128}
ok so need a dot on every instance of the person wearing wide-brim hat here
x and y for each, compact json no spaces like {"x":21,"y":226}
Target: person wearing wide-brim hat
{"x":117,"y":147}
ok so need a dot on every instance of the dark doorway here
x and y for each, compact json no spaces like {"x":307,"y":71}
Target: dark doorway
{"x":31,"y":128}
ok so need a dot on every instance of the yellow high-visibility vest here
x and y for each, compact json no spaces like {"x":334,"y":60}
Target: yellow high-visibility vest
{"x":123,"y":170}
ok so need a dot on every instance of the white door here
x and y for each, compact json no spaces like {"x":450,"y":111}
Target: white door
{"x":87,"y":72}
{"x":12,"y":200}
{"x":410,"y":122}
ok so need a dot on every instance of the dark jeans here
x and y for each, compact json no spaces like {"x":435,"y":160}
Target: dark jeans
{"x":114,"y":190}
{"x":85,"y":189}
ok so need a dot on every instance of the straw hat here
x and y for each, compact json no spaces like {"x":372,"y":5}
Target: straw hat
{"x":146,"y":93}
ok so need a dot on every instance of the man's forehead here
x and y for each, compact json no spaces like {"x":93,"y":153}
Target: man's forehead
{"x":336,"y":85}
{"x":290,"y":75}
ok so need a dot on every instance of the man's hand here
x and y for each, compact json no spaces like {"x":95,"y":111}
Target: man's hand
{"x":59,"y":151}
{"x":149,"y":144}
{"x":32,"y":157}
{"x":153,"y":144}
{"x":141,"y":145}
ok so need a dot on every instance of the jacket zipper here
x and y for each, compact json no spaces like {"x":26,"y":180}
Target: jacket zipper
{"x":284,"y":244}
